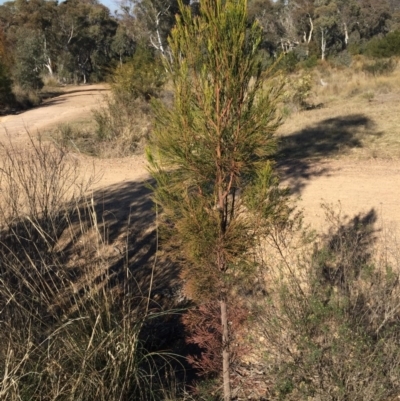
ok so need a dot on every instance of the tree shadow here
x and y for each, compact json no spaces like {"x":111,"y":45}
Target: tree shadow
{"x":109,"y":242}
{"x":52,"y":102}
{"x":298,"y":152}
{"x":115,"y":232}
{"x":126,"y":221}
{"x":346,"y":249}
{"x":50,"y":98}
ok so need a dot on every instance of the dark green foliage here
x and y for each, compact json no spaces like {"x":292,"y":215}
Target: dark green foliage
{"x":74,"y":39}
{"x":388,"y":46}
{"x":122,"y":44}
{"x":288,"y":62}
{"x":140,"y":77}
{"x":310,"y":62}
{"x":28,"y":61}
{"x":202,"y":158}
{"x":6,"y":96}
{"x":380,"y":67}
{"x":211,"y":155}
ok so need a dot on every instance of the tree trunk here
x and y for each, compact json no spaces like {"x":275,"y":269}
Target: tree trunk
{"x":311,"y":31}
{"x":323,"y":44}
{"x":346,"y":34}
{"x":49,"y":67}
{"x":225,"y":351}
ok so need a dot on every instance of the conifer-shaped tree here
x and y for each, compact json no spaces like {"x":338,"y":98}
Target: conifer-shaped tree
{"x":211,"y":150}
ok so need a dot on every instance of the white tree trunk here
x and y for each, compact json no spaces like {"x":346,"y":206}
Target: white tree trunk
{"x":311,"y":31}
{"x":48,"y":66}
{"x":346,"y":34}
{"x":323,"y":44}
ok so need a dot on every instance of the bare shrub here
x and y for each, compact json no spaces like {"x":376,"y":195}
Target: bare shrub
{"x":39,"y":183}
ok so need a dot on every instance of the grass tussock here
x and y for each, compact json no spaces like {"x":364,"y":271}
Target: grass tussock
{"x":26,"y":98}
{"x":350,"y":83}
{"x":119,"y":128}
{"x":122,"y":125}
{"x":77,"y":136}
{"x":69,"y":331}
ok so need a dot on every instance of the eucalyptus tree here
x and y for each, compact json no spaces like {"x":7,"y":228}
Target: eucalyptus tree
{"x":5,"y":76}
{"x":86,"y":32}
{"x":374,"y":17}
{"x":150,"y":21}
{"x":211,"y":154}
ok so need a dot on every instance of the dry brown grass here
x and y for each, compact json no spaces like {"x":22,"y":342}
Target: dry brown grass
{"x":73,"y":307}
{"x":352,"y":92}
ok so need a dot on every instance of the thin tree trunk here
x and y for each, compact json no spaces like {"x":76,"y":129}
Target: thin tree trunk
{"x":225,"y":352}
{"x":48,"y":66}
{"x":311,"y":31}
{"x":346,"y":34}
{"x":323,"y":44}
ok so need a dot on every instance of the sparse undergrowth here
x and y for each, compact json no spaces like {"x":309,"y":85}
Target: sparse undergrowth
{"x":72,"y":337}
{"x":69,"y":330}
{"x":123,"y":124}
{"x":355,"y":114}
{"x":330,"y":322}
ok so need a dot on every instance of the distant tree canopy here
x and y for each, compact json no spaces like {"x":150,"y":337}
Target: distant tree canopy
{"x":80,"y":41}
{"x":322,"y":27}
{"x":73,"y":38}
{"x":385,"y":47}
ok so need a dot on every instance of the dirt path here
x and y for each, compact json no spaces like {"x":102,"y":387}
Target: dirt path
{"x":359,"y":186}
{"x":352,"y":187}
{"x":73,"y":105}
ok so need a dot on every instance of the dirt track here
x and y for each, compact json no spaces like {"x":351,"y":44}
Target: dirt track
{"x":354,"y":187}
{"x":75,"y":104}
{"x":360,"y":186}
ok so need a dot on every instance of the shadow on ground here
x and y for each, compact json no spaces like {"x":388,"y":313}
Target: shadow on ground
{"x":348,"y":247}
{"x":108,"y":245}
{"x":125,"y":217}
{"x":300,"y":151}
{"x":50,"y":98}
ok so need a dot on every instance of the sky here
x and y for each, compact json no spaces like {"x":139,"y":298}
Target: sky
{"x":111,"y":4}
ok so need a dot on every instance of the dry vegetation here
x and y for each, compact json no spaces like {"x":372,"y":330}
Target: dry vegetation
{"x":83,"y":310}
{"x":357,"y":112}
{"x":75,"y":312}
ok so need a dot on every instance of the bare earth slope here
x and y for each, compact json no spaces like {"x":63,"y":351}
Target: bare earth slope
{"x":361,"y":185}
{"x":75,"y":104}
